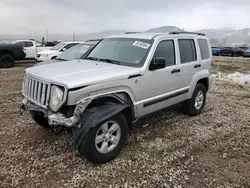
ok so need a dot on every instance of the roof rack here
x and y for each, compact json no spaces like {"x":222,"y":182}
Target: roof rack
{"x":131,"y":32}
{"x":185,"y":32}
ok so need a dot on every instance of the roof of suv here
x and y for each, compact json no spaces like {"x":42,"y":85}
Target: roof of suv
{"x":149,"y":36}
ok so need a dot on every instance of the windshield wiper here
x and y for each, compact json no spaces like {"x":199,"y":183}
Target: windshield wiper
{"x":92,"y":58}
{"x":106,"y":60}
{"x":111,"y":61}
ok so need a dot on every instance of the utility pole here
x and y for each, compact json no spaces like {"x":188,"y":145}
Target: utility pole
{"x":47,"y":34}
{"x":74,"y":37}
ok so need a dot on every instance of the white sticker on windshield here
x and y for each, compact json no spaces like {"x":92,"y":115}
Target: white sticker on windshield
{"x":141,"y":44}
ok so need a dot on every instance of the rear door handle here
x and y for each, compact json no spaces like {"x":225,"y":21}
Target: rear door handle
{"x":197,"y":66}
{"x":175,"y":71}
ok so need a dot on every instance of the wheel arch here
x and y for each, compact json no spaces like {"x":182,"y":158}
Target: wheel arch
{"x":200,"y":77}
{"x":4,"y":52}
{"x":119,"y":98}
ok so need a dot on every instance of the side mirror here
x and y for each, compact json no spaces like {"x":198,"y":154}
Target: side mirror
{"x":64,"y":49}
{"x":158,"y":63}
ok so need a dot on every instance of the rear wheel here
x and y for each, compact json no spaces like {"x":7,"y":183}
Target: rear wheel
{"x":39,"y":118}
{"x":6,"y":61}
{"x":195,"y":105}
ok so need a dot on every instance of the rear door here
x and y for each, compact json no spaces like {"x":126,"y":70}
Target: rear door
{"x":188,"y":48}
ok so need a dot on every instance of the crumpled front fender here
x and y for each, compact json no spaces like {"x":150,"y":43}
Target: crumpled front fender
{"x":91,"y":117}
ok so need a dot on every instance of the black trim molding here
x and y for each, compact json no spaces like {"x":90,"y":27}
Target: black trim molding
{"x":134,"y":76}
{"x":155,"y":101}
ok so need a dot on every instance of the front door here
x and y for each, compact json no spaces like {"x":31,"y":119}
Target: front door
{"x":162,"y":87}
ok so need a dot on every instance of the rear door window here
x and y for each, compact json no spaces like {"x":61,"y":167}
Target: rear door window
{"x":187,"y":50}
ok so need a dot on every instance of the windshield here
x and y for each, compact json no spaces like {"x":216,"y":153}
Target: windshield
{"x":75,"y":52}
{"x":58,"y":46}
{"x":126,"y":51}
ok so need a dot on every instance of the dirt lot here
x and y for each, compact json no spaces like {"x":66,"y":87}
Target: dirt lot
{"x":232,"y":64}
{"x":168,"y":150}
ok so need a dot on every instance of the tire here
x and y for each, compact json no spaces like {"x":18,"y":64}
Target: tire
{"x":6,"y":61}
{"x":91,"y":149}
{"x":192,"y":106}
{"x":39,"y":118}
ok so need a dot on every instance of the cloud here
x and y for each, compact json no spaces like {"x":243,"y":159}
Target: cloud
{"x":66,"y":16}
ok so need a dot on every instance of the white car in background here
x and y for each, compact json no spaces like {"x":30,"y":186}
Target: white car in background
{"x":31,"y":48}
{"x":53,"y":52}
{"x":76,"y":52}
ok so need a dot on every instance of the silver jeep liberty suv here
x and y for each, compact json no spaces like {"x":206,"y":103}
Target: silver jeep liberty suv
{"x":121,"y":79}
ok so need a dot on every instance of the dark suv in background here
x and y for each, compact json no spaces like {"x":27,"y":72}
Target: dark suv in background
{"x":231,"y":51}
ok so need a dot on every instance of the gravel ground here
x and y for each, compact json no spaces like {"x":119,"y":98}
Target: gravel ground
{"x":169,"y":149}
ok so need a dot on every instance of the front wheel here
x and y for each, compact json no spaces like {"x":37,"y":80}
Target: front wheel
{"x":39,"y":118}
{"x":195,"y":105}
{"x":105,"y":141}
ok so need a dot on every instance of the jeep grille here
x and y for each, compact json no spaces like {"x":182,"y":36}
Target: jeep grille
{"x":36,"y":91}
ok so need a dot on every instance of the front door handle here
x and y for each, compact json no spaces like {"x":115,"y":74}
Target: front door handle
{"x":175,"y":71}
{"x":197,"y":66}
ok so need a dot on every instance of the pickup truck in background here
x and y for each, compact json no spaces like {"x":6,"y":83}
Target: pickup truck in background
{"x":31,"y":48}
{"x":53,"y":52}
{"x":9,"y":53}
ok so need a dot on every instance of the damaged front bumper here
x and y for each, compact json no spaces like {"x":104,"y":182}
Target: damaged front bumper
{"x":57,"y":118}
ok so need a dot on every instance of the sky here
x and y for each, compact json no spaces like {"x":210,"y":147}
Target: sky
{"x":81,"y":16}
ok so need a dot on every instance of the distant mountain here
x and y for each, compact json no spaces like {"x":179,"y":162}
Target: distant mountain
{"x":239,"y":37}
{"x":60,"y":37}
{"x":224,"y":36}
{"x":98,"y":35}
{"x":163,"y":29}
{"x":218,"y":33}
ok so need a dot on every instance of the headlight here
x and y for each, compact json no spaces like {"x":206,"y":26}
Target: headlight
{"x":56,"y":97}
{"x":44,"y":55}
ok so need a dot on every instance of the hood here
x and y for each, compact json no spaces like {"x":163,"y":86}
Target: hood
{"x":47,"y":62}
{"x":48,"y":52}
{"x":77,"y":73}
